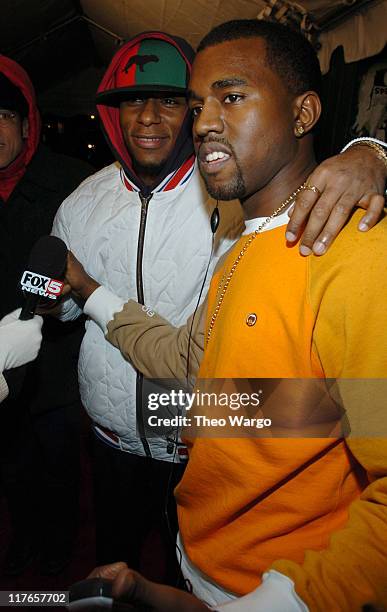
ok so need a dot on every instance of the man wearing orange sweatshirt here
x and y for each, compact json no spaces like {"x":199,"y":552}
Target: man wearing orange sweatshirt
{"x":278,"y":524}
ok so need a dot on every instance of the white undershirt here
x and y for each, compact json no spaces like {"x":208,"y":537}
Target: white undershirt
{"x":252,"y":224}
{"x":275,"y":594}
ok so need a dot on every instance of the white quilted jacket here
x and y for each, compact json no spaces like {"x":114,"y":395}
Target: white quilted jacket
{"x":100,"y":223}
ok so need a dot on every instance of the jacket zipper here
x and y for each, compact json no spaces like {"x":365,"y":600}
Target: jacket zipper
{"x":140,"y":298}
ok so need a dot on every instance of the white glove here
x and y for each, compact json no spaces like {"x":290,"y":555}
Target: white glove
{"x":19,"y":340}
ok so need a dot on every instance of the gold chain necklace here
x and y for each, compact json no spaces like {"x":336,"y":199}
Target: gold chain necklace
{"x":223,"y":289}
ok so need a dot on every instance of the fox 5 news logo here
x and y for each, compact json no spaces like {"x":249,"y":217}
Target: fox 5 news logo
{"x":42,"y":285}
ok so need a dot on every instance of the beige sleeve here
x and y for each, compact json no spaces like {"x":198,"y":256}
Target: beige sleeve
{"x":154,"y":346}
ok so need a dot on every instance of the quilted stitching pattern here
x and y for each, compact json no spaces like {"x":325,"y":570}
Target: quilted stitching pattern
{"x":100,"y":222}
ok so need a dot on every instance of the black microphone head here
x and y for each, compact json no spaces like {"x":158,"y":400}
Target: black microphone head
{"x":41,"y":281}
{"x":48,"y":257}
{"x":215,"y":218}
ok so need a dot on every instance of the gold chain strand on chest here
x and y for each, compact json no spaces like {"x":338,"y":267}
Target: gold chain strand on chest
{"x":222,"y":288}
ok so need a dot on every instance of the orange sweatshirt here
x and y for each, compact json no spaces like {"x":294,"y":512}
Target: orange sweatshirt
{"x":314,"y":509}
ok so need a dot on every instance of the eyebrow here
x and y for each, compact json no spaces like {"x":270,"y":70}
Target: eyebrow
{"x":231,"y":82}
{"x":221,"y":84}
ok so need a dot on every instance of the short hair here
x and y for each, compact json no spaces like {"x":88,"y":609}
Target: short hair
{"x":288,"y":52}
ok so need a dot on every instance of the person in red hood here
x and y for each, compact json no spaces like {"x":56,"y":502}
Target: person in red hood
{"x":19,"y":125}
{"x":141,"y":102}
{"x":142,"y":228}
{"x":155,"y":63}
{"x":39,"y":434}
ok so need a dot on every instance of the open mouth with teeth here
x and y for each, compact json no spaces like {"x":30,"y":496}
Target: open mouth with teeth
{"x":213,"y":161}
{"x":215,"y":156}
{"x":149,"y":142}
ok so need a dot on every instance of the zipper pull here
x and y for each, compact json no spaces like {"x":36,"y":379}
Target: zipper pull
{"x":145,"y":201}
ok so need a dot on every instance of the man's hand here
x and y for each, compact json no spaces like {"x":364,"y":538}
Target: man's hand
{"x":131,"y":587}
{"x":77,"y":279}
{"x":354,"y":178}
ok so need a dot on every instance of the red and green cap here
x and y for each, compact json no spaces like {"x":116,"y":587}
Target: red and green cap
{"x":150,"y":66}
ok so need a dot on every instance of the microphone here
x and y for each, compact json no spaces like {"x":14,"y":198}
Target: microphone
{"x":215,"y":218}
{"x":46,"y":264}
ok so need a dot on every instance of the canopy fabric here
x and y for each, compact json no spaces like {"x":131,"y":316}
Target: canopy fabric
{"x":362,"y":35}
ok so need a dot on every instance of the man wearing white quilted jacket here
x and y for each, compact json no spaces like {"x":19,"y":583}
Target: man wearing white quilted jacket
{"x":141,"y":227}
{"x":135,"y":227}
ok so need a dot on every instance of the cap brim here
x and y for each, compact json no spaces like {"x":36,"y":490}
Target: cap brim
{"x":114,"y":97}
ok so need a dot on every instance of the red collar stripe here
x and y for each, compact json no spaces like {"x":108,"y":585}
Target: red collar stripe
{"x":180,"y":174}
{"x":126,"y":182}
{"x":177,"y":178}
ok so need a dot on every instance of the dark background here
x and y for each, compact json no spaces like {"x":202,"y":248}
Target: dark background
{"x":65,"y":46}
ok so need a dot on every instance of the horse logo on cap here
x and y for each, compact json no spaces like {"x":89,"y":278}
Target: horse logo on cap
{"x":140,"y":61}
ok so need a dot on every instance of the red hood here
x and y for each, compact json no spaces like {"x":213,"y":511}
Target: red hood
{"x":17,"y":75}
{"x":13,"y":173}
{"x":110,"y":115}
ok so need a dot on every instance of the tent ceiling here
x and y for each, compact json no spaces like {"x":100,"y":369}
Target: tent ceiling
{"x":52,"y":41}
{"x":192,"y":19}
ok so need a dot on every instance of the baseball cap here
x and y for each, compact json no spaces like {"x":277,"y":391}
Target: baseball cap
{"x":153,"y":65}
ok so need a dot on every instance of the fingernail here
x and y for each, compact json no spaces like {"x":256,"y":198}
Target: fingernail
{"x":305,"y":251}
{"x":363,"y":226}
{"x":290,"y":210}
{"x":290,"y":237}
{"x":319,"y":248}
